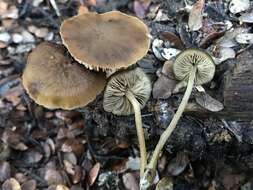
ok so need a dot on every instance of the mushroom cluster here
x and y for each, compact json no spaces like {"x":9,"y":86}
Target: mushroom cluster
{"x":107,"y":42}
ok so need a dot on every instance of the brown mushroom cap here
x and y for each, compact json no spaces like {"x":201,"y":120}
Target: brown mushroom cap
{"x":111,"y":40}
{"x":52,"y":80}
{"x":135,"y":81}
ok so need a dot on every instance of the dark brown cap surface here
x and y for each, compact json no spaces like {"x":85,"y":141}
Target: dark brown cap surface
{"x":111,"y":40}
{"x":53,"y":81}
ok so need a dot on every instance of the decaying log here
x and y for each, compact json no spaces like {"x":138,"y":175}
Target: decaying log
{"x":238,"y":88}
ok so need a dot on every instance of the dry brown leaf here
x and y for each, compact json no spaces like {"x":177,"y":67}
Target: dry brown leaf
{"x":141,"y":7}
{"x":165,"y":183}
{"x":14,"y":95}
{"x":196,"y":17}
{"x":3,"y":7}
{"x":207,"y":102}
{"x":130,"y":181}
{"x":82,"y":10}
{"x":174,"y":40}
{"x":13,"y":139}
{"x":166,"y":83}
{"x":29,"y":185}
{"x":61,"y":187}
{"x":163,"y":87}
{"x":53,"y":177}
{"x":5,"y":171}
{"x":32,"y":156}
{"x":11,"y":184}
{"x":73,"y":145}
{"x":94,"y":173}
{"x":91,"y":2}
{"x":178,"y":164}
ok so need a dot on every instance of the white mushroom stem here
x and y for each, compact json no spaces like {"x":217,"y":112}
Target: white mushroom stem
{"x":166,"y":134}
{"x":139,"y":129}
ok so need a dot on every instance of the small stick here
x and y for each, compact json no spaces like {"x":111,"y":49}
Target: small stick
{"x":54,"y":5}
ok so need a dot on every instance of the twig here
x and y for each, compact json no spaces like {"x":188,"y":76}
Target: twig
{"x":56,"y":9}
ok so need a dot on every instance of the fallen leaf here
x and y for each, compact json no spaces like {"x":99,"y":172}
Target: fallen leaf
{"x":130,"y":182}
{"x":165,"y":183}
{"x":94,"y":173}
{"x":166,"y":83}
{"x":8,"y":11}
{"x":61,"y":187}
{"x":161,"y":16}
{"x":14,"y":95}
{"x":228,"y":40}
{"x":157,"y":47}
{"x":73,"y":145}
{"x":246,"y":38}
{"x":91,"y":2}
{"x":11,"y":184}
{"x":3,"y":7}
{"x":173,"y":39}
{"x":177,"y":165}
{"x":13,"y":139}
{"x":163,"y":87}
{"x":69,"y":167}
{"x":5,"y":171}
{"x":196,"y":17}
{"x":82,"y":10}
{"x":247,"y":17}
{"x":140,"y":7}
{"x":237,"y":6}
{"x":235,"y":128}
{"x":225,"y":53}
{"x":207,"y":102}
{"x":4,"y":151}
{"x":31,"y":157}
{"x":168,"y":53}
{"x":29,"y":185}
{"x":133,"y":163}
{"x":53,"y":177}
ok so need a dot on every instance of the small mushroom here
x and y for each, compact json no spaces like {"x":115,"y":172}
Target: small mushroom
{"x":54,"y":81}
{"x":196,"y":68}
{"x":108,"y":41}
{"x":126,"y":93}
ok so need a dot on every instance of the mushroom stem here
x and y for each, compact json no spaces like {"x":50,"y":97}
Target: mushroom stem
{"x":166,"y":134}
{"x":139,"y":129}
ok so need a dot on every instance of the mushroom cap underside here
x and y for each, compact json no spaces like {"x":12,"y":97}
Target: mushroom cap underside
{"x":135,"y":81}
{"x":186,"y":60}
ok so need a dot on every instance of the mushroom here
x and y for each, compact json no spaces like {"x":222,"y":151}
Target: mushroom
{"x":54,"y":81}
{"x":126,"y":93}
{"x":108,"y":41}
{"x":196,"y":68}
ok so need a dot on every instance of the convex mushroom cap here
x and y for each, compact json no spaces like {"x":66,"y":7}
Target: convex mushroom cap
{"x":186,"y":60}
{"x":109,"y":41}
{"x":52,"y":80}
{"x":135,"y":81}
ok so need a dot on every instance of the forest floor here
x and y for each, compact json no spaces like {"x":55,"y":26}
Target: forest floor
{"x":211,"y":148}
